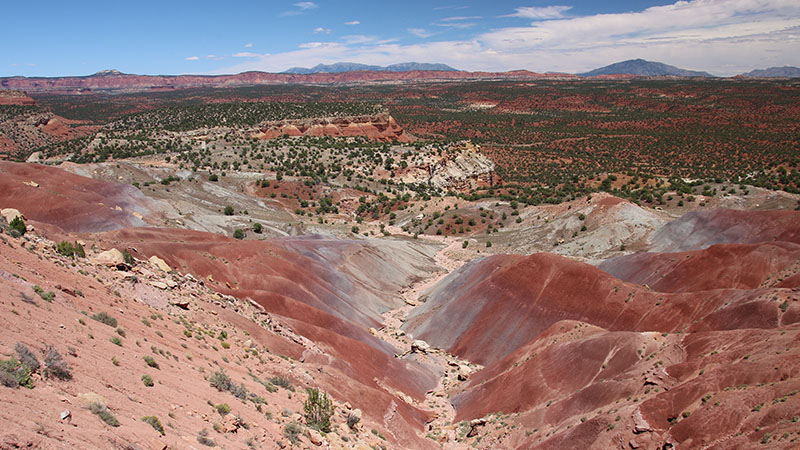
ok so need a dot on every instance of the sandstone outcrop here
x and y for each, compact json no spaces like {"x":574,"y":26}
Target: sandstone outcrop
{"x":380,"y":127}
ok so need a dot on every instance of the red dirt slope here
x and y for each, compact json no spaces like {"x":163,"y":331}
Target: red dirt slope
{"x":700,"y":229}
{"x":305,"y":282}
{"x":740,"y":266}
{"x":71,"y":202}
{"x":491,"y":307}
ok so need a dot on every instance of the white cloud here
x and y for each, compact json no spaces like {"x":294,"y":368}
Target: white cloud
{"x":353,"y":22}
{"x":192,"y":58}
{"x":455,"y":24}
{"x":358,"y":39}
{"x":723,"y":37}
{"x":420,"y":32}
{"x":540,"y":12}
{"x":319,"y":45}
{"x":319,"y":30}
{"x":248,"y":45}
{"x":301,"y":8}
{"x":457,"y":18}
{"x":246,"y":55}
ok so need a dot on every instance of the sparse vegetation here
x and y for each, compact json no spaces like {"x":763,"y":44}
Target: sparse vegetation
{"x":223,"y":383}
{"x":55,"y":366}
{"x":202,"y":437}
{"x":102,"y":411}
{"x":318,"y":410}
{"x":292,"y":432}
{"x":150,"y":361}
{"x":70,"y":249}
{"x":147,"y":380}
{"x":223,"y":409}
{"x":17,"y":225}
{"x":106,"y":319}
{"x":155,"y":423}
{"x":15,"y":374}
{"x":27,"y":357}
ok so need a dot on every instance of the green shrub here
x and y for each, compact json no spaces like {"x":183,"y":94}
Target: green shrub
{"x":104,"y":414}
{"x":18,"y":225}
{"x":106,"y":319}
{"x":70,"y":249}
{"x":292,"y":432}
{"x":128,"y":258}
{"x":352,"y":420}
{"x":116,"y":341}
{"x":55,"y":366}
{"x":220,"y":380}
{"x":147,"y":380}
{"x":229,"y":210}
{"x":46,"y":296}
{"x":282,"y":382}
{"x":238,"y":233}
{"x":154,"y":422}
{"x":223,"y":409}
{"x":14,"y":374}
{"x":202,"y":437}
{"x":27,"y":357}
{"x":257,"y":228}
{"x":151,"y":361}
{"x":318,"y":410}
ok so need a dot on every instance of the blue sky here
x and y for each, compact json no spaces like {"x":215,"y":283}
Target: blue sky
{"x":723,"y":37}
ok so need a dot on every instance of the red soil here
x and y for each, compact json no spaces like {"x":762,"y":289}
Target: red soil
{"x":71,"y":202}
{"x":587,"y":360}
{"x":312,"y":295}
{"x":740,"y":266}
{"x":700,"y":229}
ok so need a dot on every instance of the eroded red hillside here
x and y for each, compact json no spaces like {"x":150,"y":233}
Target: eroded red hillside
{"x":69,"y":201}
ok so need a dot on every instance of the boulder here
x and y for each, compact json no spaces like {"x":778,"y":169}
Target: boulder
{"x":314,"y":436}
{"x":111,"y":258}
{"x":10,"y":213}
{"x":159,"y":263}
{"x":420,"y":346}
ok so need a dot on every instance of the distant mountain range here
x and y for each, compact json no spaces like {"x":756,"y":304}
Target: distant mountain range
{"x":775,"y":72}
{"x":114,"y":81}
{"x":640,"y":67}
{"x":352,"y":67}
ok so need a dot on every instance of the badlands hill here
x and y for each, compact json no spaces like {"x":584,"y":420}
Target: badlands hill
{"x":678,"y":347}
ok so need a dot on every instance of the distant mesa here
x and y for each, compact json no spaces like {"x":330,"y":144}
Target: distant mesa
{"x":9,"y":97}
{"x":354,"y":67}
{"x":775,"y":72}
{"x":640,"y":67}
{"x":104,"y":73}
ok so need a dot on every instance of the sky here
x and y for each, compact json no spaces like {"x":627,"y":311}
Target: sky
{"x":723,"y":37}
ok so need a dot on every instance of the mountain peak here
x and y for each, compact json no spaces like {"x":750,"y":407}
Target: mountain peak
{"x":643,"y":67}
{"x":775,"y":72}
